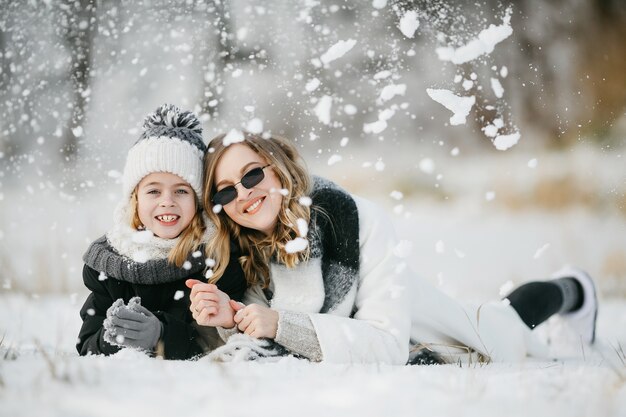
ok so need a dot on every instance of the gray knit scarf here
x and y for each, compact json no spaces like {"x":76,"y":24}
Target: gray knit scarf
{"x":334,"y":237}
{"x":102,"y":257}
{"x":138,"y":256}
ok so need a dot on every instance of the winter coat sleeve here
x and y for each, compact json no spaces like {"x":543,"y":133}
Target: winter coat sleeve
{"x":378,"y":331}
{"x":179,"y":338}
{"x":233,"y":282}
{"x":93,"y":313}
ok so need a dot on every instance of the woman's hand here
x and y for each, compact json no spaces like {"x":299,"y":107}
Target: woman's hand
{"x":209,"y":305}
{"x":256,"y":320}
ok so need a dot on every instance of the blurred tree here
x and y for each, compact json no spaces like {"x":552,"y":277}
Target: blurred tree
{"x":78,"y":25}
{"x":577,"y":51}
{"x":5,"y":68}
{"x":566,"y":62}
{"x":217,"y":55}
{"x":5,"y":78}
{"x":603,"y":64}
{"x":7,"y":146}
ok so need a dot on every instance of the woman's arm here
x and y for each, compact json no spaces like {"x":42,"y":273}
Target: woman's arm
{"x":378,"y":331}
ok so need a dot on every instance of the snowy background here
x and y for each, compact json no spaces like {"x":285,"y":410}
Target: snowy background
{"x":494,"y":132}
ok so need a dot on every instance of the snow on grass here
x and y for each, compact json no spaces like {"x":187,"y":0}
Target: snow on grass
{"x":144,"y":387}
{"x":48,"y":375}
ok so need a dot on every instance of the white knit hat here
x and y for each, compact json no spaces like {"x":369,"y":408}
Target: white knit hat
{"x":171,"y":142}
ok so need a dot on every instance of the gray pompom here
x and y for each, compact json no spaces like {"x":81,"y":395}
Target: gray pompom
{"x":168,"y":120}
{"x":170,"y":115}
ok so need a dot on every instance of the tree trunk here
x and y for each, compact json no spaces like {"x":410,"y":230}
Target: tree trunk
{"x":79,"y":36}
{"x":215,"y":61}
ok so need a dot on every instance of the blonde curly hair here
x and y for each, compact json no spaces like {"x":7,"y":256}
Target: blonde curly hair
{"x":257,"y":248}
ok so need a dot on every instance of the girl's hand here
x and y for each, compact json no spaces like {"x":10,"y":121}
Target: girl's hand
{"x":209,"y":305}
{"x":257,"y":321}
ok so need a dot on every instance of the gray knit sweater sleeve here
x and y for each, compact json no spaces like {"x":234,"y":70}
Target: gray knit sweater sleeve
{"x":227,"y":333}
{"x":297,"y":334}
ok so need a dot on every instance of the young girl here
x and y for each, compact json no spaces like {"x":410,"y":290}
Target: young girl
{"x":136,"y":272}
{"x":325,"y":283}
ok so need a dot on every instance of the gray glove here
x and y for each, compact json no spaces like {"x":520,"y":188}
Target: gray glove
{"x":133,"y":326}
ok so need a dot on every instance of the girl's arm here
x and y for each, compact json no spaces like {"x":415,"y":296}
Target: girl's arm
{"x":179,"y":337}
{"x":93,"y":313}
{"x":185,"y":339}
{"x":209,"y":305}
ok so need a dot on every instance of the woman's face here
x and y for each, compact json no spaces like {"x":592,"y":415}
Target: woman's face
{"x":255,"y":208}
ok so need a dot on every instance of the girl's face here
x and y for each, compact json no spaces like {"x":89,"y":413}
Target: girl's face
{"x":257,"y":207}
{"x":166,"y":204}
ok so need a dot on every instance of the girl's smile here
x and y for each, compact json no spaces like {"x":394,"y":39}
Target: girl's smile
{"x":168,"y":219}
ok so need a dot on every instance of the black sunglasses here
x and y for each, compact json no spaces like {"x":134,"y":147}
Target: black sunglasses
{"x":249,"y":180}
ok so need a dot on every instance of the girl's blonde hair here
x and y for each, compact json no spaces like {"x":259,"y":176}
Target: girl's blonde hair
{"x":257,"y":248}
{"x":189,"y":239}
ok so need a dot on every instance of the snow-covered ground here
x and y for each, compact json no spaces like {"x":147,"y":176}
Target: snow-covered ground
{"x":41,"y":375}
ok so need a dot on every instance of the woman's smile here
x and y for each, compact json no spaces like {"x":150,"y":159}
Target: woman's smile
{"x":256,"y":207}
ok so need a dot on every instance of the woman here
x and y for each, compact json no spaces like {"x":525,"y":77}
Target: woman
{"x":324,"y":282}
